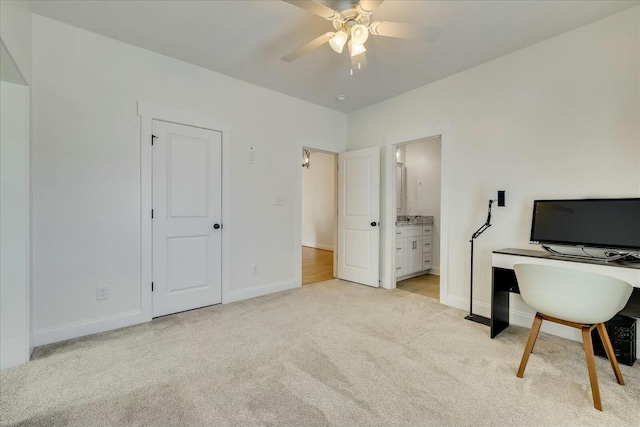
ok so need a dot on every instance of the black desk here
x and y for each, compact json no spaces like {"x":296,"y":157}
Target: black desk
{"x":503,"y":281}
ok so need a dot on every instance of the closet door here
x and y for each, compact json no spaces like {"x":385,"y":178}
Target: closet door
{"x":187,"y":212}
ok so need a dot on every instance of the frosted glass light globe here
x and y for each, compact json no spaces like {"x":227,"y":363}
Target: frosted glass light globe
{"x":337,"y":42}
{"x":359,"y":34}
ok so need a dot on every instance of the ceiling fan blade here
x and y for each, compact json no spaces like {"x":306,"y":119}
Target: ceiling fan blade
{"x":358,"y":64}
{"x":403,"y":30}
{"x":366,"y":7}
{"x":316,"y":8}
{"x":303,"y":50}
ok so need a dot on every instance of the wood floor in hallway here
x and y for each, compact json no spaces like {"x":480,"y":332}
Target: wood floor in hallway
{"x":317,"y":265}
{"x":427,"y":285}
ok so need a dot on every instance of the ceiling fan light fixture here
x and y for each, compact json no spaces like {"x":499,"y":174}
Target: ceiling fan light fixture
{"x":359,"y":34}
{"x":338,"y":41}
{"x":355,"y":48}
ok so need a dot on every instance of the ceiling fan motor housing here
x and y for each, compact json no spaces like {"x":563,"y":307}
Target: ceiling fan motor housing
{"x":348,"y":18}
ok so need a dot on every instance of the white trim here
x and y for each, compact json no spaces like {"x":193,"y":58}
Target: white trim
{"x":316,"y":245}
{"x":88,"y":327}
{"x":16,"y":350}
{"x":258,"y":291}
{"x":521,"y":318}
{"x":445,"y":132}
{"x":481,"y":308}
{"x":297,"y":252}
{"x":28,"y":213}
{"x":181,"y":117}
{"x":148,"y":113}
{"x":525,"y":319}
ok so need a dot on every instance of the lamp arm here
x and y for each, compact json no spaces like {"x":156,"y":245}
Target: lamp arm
{"x":489,"y":212}
{"x":480,"y":230}
{"x":486,"y":225}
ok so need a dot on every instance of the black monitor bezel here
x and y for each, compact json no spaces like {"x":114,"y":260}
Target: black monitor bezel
{"x":578,"y":244}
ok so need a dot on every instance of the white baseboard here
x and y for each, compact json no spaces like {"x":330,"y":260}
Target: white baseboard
{"x":526,"y":319}
{"x":104,"y":324}
{"x":88,"y":327}
{"x":481,"y":308}
{"x":318,"y":246}
{"x":521,"y":318}
{"x":258,"y":291}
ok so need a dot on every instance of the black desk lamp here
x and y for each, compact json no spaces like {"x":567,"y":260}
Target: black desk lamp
{"x":475,"y":317}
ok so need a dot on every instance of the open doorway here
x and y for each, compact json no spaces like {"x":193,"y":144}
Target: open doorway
{"x":319,"y":216}
{"x":418,"y":220}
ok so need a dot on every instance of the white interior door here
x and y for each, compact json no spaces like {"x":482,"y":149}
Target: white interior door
{"x":359,"y":216}
{"x":187,"y":207}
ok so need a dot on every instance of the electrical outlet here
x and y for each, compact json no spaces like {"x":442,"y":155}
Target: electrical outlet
{"x":102,"y":292}
{"x":279,"y":201}
{"x":254,"y":270}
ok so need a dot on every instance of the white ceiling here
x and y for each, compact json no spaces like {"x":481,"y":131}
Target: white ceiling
{"x":246,"y":39}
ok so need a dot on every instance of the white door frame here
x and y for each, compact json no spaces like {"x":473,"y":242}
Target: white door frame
{"x":17,"y":340}
{"x":298,"y":215}
{"x":444,"y":131}
{"x":149,"y":112}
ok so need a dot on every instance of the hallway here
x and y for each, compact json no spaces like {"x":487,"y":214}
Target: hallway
{"x":317,"y":265}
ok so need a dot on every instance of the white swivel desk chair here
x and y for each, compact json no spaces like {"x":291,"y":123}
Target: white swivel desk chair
{"x":573,"y":298}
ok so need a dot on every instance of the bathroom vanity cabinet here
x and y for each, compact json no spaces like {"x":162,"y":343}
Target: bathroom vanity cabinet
{"x":413,"y":250}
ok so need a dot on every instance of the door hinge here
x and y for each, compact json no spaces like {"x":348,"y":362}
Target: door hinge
{"x":152,"y":138}
{"x":151,"y":286}
{"x":151,"y":213}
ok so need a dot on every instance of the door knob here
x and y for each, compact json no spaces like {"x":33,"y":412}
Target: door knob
{"x":216,"y":226}
{"x":373,"y":224}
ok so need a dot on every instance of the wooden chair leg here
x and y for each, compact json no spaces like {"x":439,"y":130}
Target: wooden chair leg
{"x":604,"y":336}
{"x":591,"y":366}
{"x":533,"y":335}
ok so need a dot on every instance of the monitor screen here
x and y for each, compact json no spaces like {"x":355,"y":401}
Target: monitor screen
{"x":601,"y":223}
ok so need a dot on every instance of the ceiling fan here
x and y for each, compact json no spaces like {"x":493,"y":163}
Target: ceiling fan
{"x":352,"y":23}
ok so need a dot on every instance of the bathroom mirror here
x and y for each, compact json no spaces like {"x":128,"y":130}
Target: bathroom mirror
{"x":401,"y":188}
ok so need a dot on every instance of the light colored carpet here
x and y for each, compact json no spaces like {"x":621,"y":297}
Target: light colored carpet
{"x":334,"y":353}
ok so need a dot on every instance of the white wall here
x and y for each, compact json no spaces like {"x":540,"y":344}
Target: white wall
{"x":557,"y":119}
{"x":319,"y":201}
{"x":14,"y":225}
{"x":15,"y":32}
{"x":86,"y":173}
{"x":422,"y":160}
{"x":15,"y":303}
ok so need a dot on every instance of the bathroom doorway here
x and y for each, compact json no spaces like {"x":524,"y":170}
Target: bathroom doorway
{"x":418,"y":205}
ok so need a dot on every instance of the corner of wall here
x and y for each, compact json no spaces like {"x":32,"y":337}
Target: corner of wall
{"x":15,"y":33}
